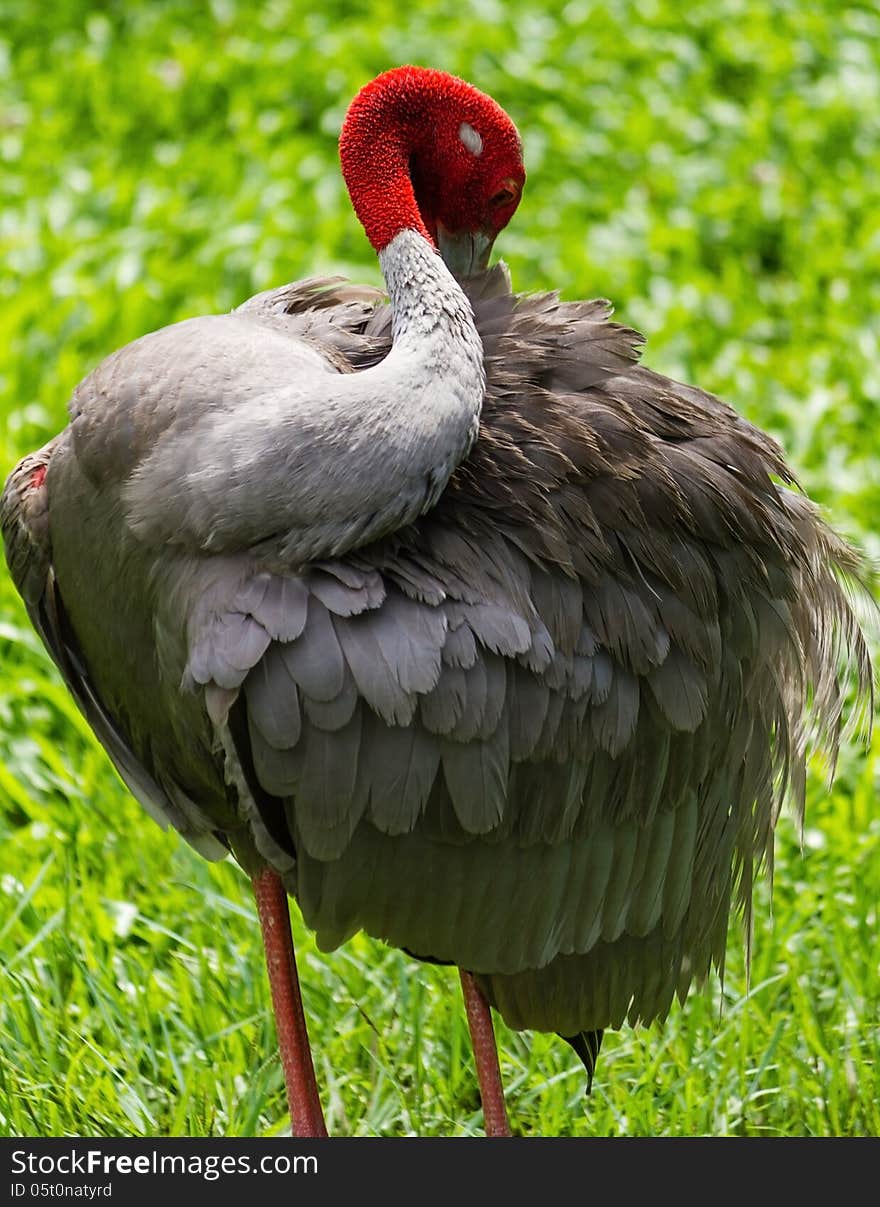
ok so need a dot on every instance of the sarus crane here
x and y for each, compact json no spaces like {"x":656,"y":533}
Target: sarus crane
{"x":440,"y":612}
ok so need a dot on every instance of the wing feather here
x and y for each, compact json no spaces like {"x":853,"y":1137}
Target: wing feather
{"x":545,"y":729}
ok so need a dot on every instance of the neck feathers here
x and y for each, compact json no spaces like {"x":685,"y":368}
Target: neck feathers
{"x":381,"y":130}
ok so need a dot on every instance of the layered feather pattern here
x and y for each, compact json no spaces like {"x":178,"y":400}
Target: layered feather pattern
{"x":543,"y":732}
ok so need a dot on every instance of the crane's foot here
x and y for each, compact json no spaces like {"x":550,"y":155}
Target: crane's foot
{"x":306,"y":1116}
{"x":486,"y":1057}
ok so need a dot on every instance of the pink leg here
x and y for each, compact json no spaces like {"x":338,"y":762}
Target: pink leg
{"x":486,"y":1057}
{"x":306,"y":1116}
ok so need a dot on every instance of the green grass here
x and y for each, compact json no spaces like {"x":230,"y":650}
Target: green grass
{"x":715,"y":173}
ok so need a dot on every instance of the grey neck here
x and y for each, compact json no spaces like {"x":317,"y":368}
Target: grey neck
{"x":433,"y":377}
{"x":425,"y":296}
{"x":342,"y":458}
{"x":418,"y":411}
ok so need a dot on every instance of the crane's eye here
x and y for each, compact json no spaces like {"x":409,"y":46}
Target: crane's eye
{"x":504,"y":196}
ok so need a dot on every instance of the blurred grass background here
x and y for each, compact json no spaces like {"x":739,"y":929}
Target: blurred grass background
{"x":715,"y":171}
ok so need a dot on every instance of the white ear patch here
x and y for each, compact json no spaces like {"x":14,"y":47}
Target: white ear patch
{"x":470,"y":138}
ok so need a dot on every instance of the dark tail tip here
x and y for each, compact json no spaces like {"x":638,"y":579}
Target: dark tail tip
{"x":587,"y":1045}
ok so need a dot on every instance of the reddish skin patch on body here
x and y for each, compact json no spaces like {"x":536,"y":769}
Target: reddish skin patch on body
{"x":38,"y":477}
{"x":406,"y":167}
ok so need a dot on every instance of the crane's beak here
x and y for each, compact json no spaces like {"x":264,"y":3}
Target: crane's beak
{"x":465,"y":253}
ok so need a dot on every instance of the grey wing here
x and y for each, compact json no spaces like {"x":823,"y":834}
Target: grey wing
{"x":493,"y":763}
{"x":24,"y":519}
{"x":530,"y":730}
{"x":330,"y":312}
{"x":560,"y":713}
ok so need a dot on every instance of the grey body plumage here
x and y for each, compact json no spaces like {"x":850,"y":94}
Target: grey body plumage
{"x":539,"y":722}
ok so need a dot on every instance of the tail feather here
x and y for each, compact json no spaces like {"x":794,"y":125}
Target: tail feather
{"x":587,"y":1045}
